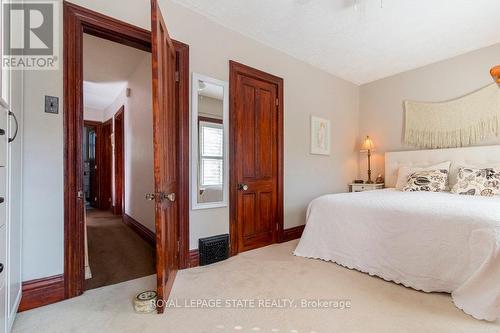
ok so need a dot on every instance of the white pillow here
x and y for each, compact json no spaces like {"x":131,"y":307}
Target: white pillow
{"x":405,"y":171}
{"x":455,"y":168}
{"x":483,"y":182}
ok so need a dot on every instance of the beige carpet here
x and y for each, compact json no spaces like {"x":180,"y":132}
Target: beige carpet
{"x":116,"y":252}
{"x":268,"y":273}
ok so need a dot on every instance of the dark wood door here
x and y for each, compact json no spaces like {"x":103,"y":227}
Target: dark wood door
{"x":166,"y":148}
{"x":91,"y":156}
{"x":119,"y":162}
{"x":256,"y":178}
{"x":105,"y":168}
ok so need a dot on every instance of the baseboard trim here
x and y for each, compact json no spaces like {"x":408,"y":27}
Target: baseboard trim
{"x":194,"y":258}
{"x":141,"y":230}
{"x":42,"y":292}
{"x":293,"y":233}
{"x":116,"y":210}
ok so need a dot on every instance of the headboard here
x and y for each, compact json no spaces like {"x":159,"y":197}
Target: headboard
{"x":470,"y":156}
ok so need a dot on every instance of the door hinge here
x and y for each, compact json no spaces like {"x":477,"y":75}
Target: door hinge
{"x":178,"y":246}
{"x":277,"y":227}
{"x":277,"y":102}
{"x":177,"y":77}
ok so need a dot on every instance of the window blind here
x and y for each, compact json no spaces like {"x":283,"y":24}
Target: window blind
{"x":211,"y":154}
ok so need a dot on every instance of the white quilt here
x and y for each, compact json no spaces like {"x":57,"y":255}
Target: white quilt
{"x":435,"y":242}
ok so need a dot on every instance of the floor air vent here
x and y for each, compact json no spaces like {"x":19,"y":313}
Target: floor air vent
{"x":213,"y":249}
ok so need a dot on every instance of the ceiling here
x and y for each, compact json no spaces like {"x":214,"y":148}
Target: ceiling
{"x":211,"y":90}
{"x":363,"y":44}
{"x":106,"y":68}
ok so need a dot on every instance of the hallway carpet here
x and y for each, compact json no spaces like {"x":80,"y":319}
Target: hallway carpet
{"x":269,"y":273}
{"x":116,"y":252}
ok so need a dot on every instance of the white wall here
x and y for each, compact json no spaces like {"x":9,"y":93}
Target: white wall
{"x":139,"y":177}
{"x":307,"y":91}
{"x":210,"y":107}
{"x":43,"y":200}
{"x":138,"y":142}
{"x":381,"y":106}
{"x":93,"y":114}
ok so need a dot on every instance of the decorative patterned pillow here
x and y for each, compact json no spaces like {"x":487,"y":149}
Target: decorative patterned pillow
{"x":428,"y":180}
{"x":480,"y":182}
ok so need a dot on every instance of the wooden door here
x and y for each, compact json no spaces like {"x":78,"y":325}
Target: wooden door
{"x":92,"y":140}
{"x":256,"y":157}
{"x":166,"y":148}
{"x":119,"y":162}
{"x":106,"y":165}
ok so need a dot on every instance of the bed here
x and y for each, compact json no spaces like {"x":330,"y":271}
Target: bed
{"x":434,"y":242}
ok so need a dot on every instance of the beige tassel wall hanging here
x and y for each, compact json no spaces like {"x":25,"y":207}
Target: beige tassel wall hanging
{"x":460,"y":122}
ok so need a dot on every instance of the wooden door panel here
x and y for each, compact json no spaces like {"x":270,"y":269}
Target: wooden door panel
{"x":166,"y":147}
{"x":255,"y":161}
{"x":265,"y":133}
{"x":257,"y":216}
{"x":248,"y":214}
{"x":247,"y":117}
{"x":266,"y":217}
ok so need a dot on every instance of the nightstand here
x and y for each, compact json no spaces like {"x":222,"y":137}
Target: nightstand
{"x":365,"y":187}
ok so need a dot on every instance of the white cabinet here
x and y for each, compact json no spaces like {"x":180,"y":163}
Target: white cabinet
{"x":3,"y":196}
{"x":3,"y":219}
{"x":10,"y":216}
{"x":11,"y":98}
{"x":3,"y":137}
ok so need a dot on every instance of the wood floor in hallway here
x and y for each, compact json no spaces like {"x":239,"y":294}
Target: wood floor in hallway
{"x":116,"y":252}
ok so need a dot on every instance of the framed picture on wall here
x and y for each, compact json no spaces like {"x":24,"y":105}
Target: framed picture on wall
{"x":320,"y":136}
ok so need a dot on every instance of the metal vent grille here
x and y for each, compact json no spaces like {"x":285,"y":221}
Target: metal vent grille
{"x":213,"y":249}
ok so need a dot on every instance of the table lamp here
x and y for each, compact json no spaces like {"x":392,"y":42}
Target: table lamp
{"x":368,"y":146}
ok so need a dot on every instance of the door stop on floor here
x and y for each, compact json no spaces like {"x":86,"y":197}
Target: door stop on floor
{"x":145,"y":302}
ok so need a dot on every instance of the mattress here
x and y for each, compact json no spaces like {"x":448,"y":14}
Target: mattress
{"x":434,"y":242}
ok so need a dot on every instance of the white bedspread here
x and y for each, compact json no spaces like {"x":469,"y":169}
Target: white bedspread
{"x":435,"y":242}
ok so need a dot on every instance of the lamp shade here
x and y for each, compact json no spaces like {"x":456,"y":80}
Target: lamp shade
{"x":367,"y":144}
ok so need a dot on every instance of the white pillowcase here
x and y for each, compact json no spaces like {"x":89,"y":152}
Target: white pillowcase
{"x":405,"y":171}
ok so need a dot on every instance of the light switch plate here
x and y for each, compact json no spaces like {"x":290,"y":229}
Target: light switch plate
{"x":52,"y":104}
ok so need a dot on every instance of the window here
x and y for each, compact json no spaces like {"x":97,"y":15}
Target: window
{"x":211,"y":153}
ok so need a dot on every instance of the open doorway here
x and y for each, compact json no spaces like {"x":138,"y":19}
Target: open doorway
{"x":170,"y":99}
{"x":118,"y":163}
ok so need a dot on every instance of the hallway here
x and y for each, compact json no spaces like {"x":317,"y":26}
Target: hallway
{"x":116,"y":252}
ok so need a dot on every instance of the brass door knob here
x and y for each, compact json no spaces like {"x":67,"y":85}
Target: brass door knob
{"x":171,"y":197}
{"x":243,"y":187}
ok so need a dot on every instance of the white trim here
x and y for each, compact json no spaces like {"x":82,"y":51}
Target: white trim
{"x":195,"y":143}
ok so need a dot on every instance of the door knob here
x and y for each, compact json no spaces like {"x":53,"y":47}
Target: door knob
{"x":243,"y":187}
{"x":1,"y":268}
{"x":171,"y":197}
{"x":2,"y":199}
